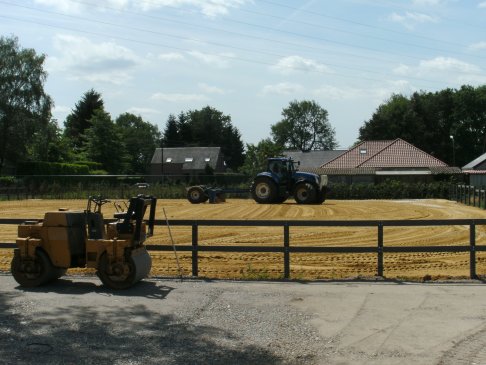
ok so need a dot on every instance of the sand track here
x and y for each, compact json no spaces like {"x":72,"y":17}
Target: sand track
{"x":303,"y":266}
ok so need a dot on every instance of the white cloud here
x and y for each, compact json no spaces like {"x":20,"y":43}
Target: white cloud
{"x":409,"y":19}
{"x":426,"y":2}
{"x":437,"y":65}
{"x":210,"y":8}
{"x":447,"y":64}
{"x":283,"y":88}
{"x":177,"y":98}
{"x":75,"y":7}
{"x":211,"y":89}
{"x":338,"y":93}
{"x":66,"y":6}
{"x":139,"y":111}
{"x":296,"y":63}
{"x":170,"y":57}
{"x":220,"y":60}
{"x":454,"y":71}
{"x":482,"y":5}
{"x":61,"y":109}
{"x":82,"y":59}
{"x":477,"y":46}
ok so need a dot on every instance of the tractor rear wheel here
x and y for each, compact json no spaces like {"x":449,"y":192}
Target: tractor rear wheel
{"x":305,"y":193}
{"x":123,"y":275}
{"x":31,"y":273}
{"x":264,"y":191}
{"x":196,"y":195}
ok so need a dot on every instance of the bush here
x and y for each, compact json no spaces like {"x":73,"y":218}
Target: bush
{"x":390,"y":189}
{"x":51,"y":168}
{"x":6,"y":181}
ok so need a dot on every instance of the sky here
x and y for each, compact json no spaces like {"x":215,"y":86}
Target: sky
{"x":250,"y":58}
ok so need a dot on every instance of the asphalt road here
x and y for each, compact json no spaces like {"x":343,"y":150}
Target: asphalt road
{"x":77,"y":321}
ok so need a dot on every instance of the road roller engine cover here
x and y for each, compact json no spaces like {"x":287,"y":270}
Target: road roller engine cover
{"x":66,"y":239}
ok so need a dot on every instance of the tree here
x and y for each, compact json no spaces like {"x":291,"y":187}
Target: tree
{"x":25,"y":108}
{"x":304,"y":127}
{"x":104,"y":144}
{"x":78,"y":121}
{"x":207,"y":127}
{"x":50,"y":145}
{"x":210,"y":127}
{"x":257,"y":155}
{"x":140,"y":139}
{"x":171,"y":136}
{"x":428,"y":120}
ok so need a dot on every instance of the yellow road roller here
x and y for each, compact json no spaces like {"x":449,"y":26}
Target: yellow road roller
{"x":68,"y":238}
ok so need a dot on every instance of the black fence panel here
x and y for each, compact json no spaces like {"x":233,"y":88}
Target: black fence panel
{"x":287,"y":248}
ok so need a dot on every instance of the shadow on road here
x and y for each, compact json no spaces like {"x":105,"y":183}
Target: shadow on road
{"x":146,"y":289}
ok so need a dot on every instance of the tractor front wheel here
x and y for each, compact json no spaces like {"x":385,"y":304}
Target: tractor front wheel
{"x":264,"y":191}
{"x":305,"y":193}
{"x":33,"y":272}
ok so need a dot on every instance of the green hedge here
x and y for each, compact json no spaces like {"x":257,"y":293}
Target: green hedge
{"x":51,"y":168}
{"x":391,"y":189}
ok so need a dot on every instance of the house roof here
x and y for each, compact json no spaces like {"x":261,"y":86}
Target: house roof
{"x":312,"y":159}
{"x":385,"y":172}
{"x":474,"y":163}
{"x":191,"y":158}
{"x":385,"y":154}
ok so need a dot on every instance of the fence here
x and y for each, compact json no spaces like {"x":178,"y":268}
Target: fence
{"x":287,"y":249}
{"x":470,"y":195}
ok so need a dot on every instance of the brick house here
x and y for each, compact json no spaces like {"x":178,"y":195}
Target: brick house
{"x":376,"y":161}
{"x":187,"y":161}
{"x":475,"y":171}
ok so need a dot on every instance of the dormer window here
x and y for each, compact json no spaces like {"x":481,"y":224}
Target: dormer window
{"x":188,"y":159}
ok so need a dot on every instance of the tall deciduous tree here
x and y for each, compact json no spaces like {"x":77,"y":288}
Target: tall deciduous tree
{"x":24,"y":106}
{"x":257,"y":155}
{"x":140,"y":139}
{"x":50,"y":145}
{"x":305,"y":126}
{"x":449,"y":124}
{"x":104,"y":144}
{"x":207,"y":127}
{"x":79,"y":120}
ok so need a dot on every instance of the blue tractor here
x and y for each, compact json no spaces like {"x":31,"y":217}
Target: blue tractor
{"x":281,"y":180}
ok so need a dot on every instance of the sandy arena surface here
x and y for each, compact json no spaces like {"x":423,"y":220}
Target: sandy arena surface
{"x":303,"y":266}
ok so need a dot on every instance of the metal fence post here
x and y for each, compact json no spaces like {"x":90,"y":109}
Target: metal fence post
{"x":286,"y":251}
{"x":380,"y":249}
{"x":195,"y":269}
{"x":472,"y":243}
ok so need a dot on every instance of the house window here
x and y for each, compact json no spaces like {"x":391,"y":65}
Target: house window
{"x":188,"y":159}
{"x":207,"y":159}
{"x":169,"y":159}
{"x":362,"y":151}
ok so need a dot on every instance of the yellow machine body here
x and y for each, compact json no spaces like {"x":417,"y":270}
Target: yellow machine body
{"x":66,"y":239}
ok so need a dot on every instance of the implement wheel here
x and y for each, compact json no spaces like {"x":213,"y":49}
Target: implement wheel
{"x":123,"y":275}
{"x":264,"y":190}
{"x":31,"y":273}
{"x":196,"y":195}
{"x":305,"y":193}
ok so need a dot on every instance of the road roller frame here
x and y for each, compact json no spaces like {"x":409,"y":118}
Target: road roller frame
{"x":66,"y":239}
